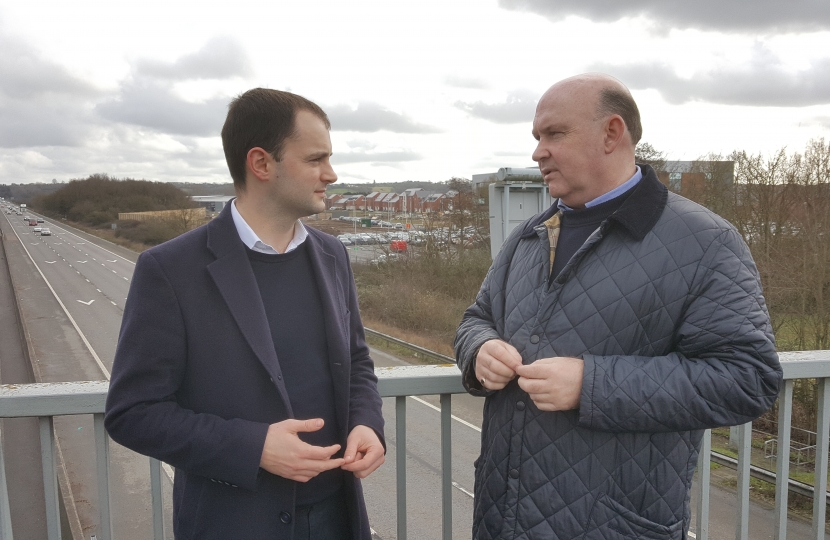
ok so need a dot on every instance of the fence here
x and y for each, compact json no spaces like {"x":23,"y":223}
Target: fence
{"x":46,"y":401}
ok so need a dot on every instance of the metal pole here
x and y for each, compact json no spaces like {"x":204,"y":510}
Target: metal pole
{"x":744,"y":461}
{"x":704,"y":470}
{"x":446,"y":466}
{"x":782,"y":467}
{"x":400,"y":462}
{"x":50,"y":480}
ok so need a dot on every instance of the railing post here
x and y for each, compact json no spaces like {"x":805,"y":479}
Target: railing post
{"x":744,"y":461}
{"x":155,"y":493}
{"x":400,"y":463}
{"x":50,"y":479}
{"x":5,"y":510}
{"x":782,"y":465}
{"x":704,"y":471}
{"x":446,"y":466}
{"x":102,"y":459}
{"x":820,"y":479}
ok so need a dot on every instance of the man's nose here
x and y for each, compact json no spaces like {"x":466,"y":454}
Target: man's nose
{"x":539,"y":153}
{"x":329,"y":175}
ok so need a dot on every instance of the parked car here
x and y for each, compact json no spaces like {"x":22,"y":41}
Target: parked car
{"x":345,"y":240}
{"x":397,"y":246}
{"x":45,"y":232}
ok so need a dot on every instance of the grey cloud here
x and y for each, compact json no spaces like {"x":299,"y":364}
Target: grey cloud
{"x":158,"y":108}
{"x":220,"y":58}
{"x":759,"y":15}
{"x":369,"y":117}
{"x":41,"y":102}
{"x":466,"y":82}
{"x":519,"y":106}
{"x":26,"y":74}
{"x":375,"y":157}
{"x":765,"y":81}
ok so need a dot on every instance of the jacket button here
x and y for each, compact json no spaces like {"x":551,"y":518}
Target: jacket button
{"x":520,"y":405}
{"x":534,"y":339}
{"x":279,"y":377}
{"x":285,"y":517}
{"x":514,"y":473}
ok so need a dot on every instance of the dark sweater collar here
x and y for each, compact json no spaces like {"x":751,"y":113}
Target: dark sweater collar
{"x":638,"y":214}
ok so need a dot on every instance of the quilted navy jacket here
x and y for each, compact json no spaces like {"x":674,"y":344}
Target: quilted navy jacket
{"x":664,"y":304}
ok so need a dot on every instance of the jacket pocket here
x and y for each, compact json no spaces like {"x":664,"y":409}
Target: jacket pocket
{"x":610,"y":520}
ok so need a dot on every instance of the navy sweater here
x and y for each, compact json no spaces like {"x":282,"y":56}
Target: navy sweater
{"x":295,"y":315}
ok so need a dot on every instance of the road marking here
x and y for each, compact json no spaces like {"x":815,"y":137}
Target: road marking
{"x":87,"y":280}
{"x":50,"y":262}
{"x":87,"y":303}
{"x":99,"y":290}
{"x":113,"y":303}
{"x":454,"y":417}
{"x":82,"y":262}
{"x":125,"y":279}
{"x":114,"y":272}
{"x":110,"y":261}
{"x":462,"y":490}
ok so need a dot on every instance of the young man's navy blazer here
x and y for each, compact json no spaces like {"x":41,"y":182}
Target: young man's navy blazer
{"x":196,"y":381}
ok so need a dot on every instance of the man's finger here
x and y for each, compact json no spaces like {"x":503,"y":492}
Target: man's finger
{"x":304,"y":426}
{"x":318,"y":452}
{"x":351,"y":450}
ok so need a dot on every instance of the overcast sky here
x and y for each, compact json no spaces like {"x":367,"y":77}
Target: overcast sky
{"x":415,"y":90}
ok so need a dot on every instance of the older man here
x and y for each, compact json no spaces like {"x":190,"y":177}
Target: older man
{"x":611,"y":330}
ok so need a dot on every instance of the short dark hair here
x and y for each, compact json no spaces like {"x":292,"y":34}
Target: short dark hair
{"x":262,"y":118}
{"x":618,"y":101}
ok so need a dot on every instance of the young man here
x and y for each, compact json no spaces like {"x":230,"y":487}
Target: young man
{"x":611,"y":330}
{"x":242,"y":360}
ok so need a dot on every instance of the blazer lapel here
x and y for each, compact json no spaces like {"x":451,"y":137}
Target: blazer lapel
{"x":326,"y":274}
{"x":232,"y":273}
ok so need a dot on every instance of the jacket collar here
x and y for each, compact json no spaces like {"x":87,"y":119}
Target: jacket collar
{"x":638,"y":214}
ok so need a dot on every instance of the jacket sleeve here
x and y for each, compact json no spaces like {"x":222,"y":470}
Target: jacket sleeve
{"x":723,"y":369}
{"x":475,"y":329}
{"x":142,"y":412}
{"x":365,"y":405}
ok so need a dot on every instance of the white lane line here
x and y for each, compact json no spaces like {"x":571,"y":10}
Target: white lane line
{"x":74,"y":324}
{"x":100,"y":247}
{"x":110,"y":261}
{"x":457,"y":486}
{"x":454,"y":417}
{"x":113,"y":303}
{"x":99,"y":290}
{"x":87,"y":280}
{"x":125,"y":279}
{"x":82,"y":262}
{"x":87,"y":303}
{"x":50,"y":262}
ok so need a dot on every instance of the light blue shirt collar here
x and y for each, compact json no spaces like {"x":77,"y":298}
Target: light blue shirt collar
{"x":614,"y":193}
{"x":252,"y":240}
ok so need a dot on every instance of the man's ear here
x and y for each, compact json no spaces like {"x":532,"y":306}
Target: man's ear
{"x":614,"y":132}
{"x":258,"y":164}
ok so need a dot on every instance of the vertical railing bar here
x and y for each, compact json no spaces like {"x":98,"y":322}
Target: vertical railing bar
{"x":704,"y":471}
{"x":5,"y":510}
{"x":744,"y":461}
{"x":400,"y":462}
{"x":155,"y":492}
{"x":782,"y":465}
{"x":50,"y":478}
{"x":102,"y":459}
{"x":446,"y":466}
{"x":820,"y":479}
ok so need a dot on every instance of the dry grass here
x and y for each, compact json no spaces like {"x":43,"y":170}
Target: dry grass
{"x":421,"y":300}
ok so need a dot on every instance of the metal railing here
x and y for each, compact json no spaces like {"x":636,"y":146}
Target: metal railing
{"x":45,"y":401}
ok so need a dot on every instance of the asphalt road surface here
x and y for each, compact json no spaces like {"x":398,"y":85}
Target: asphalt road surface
{"x":91,"y":277}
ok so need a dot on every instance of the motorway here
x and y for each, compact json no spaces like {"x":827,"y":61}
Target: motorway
{"x":90,"y":278}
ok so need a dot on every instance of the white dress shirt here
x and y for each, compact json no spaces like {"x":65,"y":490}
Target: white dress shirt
{"x":250,"y":238}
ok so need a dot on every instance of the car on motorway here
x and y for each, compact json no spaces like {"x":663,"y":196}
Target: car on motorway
{"x":39,"y":220}
{"x":32,"y":223}
{"x":37,"y":229}
{"x":45,"y":232}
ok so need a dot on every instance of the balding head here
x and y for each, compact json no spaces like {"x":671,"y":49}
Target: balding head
{"x":603,"y":95}
{"x":587,"y":127}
